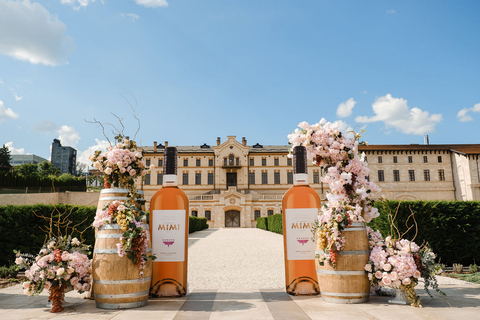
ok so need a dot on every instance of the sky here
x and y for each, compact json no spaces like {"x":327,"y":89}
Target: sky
{"x":197,"y":70}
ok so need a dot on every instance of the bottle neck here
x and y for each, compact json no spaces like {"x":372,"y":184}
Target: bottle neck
{"x":300,"y":179}
{"x":170,"y":180}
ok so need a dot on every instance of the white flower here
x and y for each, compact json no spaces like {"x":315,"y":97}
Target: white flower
{"x":108,"y":171}
{"x":75,"y":242}
{"x":19,"y":260}
{"x":60,"y":271}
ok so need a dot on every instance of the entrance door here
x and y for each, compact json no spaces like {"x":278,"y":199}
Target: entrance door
{"x":232,"y":219}
{"x":231,"y":179}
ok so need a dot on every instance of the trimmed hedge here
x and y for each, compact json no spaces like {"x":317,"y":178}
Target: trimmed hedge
{"x":275,"y":223}
{"x":262,"y":223}
{"x":197,"y":224}
{"x":452,"y":228}
{"x":20,"y":227}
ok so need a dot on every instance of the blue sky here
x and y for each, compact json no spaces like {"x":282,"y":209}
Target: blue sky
{"x":198,"y":70}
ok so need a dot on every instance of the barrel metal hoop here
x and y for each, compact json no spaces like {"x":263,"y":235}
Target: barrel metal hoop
{"x":119,"y":296}
{"x":115,"y":226}
{"x":121,"y":305}
{"x":348,"y":294}
{"x":113,"y":198}
{"x":114,"y":190}
{"x":356,"y":252}
{"x":112,"y":251}
{"x":122,"y":281}
{"x":108,"y":236}
{"x":345,"y":301}
{"x":341,"y":273}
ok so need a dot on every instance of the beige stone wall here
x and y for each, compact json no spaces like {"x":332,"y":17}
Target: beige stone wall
{"x":74,"y":198}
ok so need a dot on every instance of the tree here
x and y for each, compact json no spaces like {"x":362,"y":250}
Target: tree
{"x":27,"y":169}
{"x":5,"y":158}
{"x":48,"y":169}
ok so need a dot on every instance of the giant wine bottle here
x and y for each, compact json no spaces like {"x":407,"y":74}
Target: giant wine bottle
{"x":300,"y":206}
{"x":169,"y":231}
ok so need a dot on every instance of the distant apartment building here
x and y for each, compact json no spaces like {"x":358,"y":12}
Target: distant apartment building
{"x":64,"y":158}
{"x":19,"y":159}
{"x":232,"y":184}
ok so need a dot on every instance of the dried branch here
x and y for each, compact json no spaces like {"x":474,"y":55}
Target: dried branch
{"x":95,"y":121}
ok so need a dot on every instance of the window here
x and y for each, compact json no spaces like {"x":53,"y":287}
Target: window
{"x":208,"y":214}
{"x":411,"y":175}
{"x":185,"y":162}
{"x":197,"y":162}
{"x":147,"y":179}
{"x":380,"y":160}
{"x":194,"y":213}
{"x":395,"y":159}
{"x":264,"y":162}
{"x":185,"y":178}
{"x":264,"y":178}
{"x":365,"y":159}
{"x":289,"y":162}
{"x":396,"y":175}
{"x":237,"y":161}
{"x":381,"y":175}
{"x":225,"y":162}
{"x":410,"y":159}
{"x":425,"y":159}
{"x":252,"y":162}
{"x":270,"y":212}
{"x":439,"y":159}
{"x":257,"y":214}
{"x":276,"y":177}
{"x":290,"y":177}
{"x":198,"y":178}
{"x":426,"y":175}
{"x":159,"y":179}
{"x":210,"y":162}
{"x":276,"y":162}
{"x":160,"y":163}
{"x":441,"y":175}
{"x":210,"y":178}
{"x":316,"y":177}
{"x":147,"y":162}
{"x":251,"y":177}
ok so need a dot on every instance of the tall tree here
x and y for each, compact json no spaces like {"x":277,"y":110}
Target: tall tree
{"x":27,"y":169}
{"x":5,"y":158}
{"x":48,"y":169}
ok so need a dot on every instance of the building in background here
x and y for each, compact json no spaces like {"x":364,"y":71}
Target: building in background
{"x":64,"y":158}
{"x":232,"y":184}
{"x":19,"y":159}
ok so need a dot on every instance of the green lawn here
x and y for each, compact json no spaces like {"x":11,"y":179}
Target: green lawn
{"x":470,"y":277}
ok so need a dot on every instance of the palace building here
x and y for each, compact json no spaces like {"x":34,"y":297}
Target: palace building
{"x":232,"y":183}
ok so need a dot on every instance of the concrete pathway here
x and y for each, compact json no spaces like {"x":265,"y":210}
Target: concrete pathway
{"x":238,"y":274}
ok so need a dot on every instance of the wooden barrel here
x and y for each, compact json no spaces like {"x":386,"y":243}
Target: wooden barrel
{"x":348,"y":282}
{"x":117,"y":281}
{"x":112,"y":194}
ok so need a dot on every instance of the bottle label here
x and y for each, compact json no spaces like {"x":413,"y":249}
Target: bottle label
{"x":168,"y":235}
{"x":298,"y":231}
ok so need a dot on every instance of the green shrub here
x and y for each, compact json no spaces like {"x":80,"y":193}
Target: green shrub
{"x":4,"y":272}
{"x":473,"y":268}
{"x":262,"y":223}
{"x":275,"y":223}
{"x":20,"y":227}
{"x":450,"y":227}
{"x":9,"y":272}
{"x":197,"y":224}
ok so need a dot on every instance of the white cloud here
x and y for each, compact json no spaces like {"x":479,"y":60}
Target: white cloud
{"x":17,"y":98}
{"x":6,"y":113}
{"x":132,"y":16}
{"x":391,"y":11}
{"x":345,"y":108}
{"x":45,"y":125}
{"x":1,"y":82}
{"x":29,"y":32}
{"x":463,"y":115}
{"x":101,"y":145}
{"x":395,"y":112}
{"x":152,"y":3}
{"x":13,"y":150}
{"x":77,"y":4}
{"x":68,"y":136}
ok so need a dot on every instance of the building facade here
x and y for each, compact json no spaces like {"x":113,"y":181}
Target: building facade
{"x":64,"y":158}
{"x":232,"y":183}
{"x":19,"y":159}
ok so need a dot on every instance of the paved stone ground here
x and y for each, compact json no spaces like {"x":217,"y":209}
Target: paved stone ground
{"x":238,"y":274}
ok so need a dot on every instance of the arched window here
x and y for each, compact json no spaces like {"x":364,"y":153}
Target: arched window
{"x":231,"y":160}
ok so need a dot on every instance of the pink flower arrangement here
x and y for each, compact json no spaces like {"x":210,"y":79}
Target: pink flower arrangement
{"x":60,"y":262}
{"x":346,"y":173}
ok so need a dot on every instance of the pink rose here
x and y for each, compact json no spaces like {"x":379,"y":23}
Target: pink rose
{"x":387,"y":267}
{"x":48,"y":285}
{"x":86,"y":287}
{"x":368,"y":267}
{"x":387,"y":281}
{"x":74,"y":281}
{"x":378,"y":275}
{"x":78,"y":286}
{"x":18,"y":260}
{"x":406,"y":281}
{"x":417,"y":274}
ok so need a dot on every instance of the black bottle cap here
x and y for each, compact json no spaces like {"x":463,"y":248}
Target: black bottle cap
{"x":299,"y":159}
{"x":170,"y":160}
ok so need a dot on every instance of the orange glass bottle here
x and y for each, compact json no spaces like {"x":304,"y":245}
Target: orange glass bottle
{"x":300,"y":206}
{"x":169,"y":231}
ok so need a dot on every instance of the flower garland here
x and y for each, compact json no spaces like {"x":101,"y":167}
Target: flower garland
{"x":399,"y":263}
{"x":134,"y":240}
{"x":62,"y":262}
{"x":346,"y":172}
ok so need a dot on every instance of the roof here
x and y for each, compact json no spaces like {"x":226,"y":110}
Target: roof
{"x":459,"y":148}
